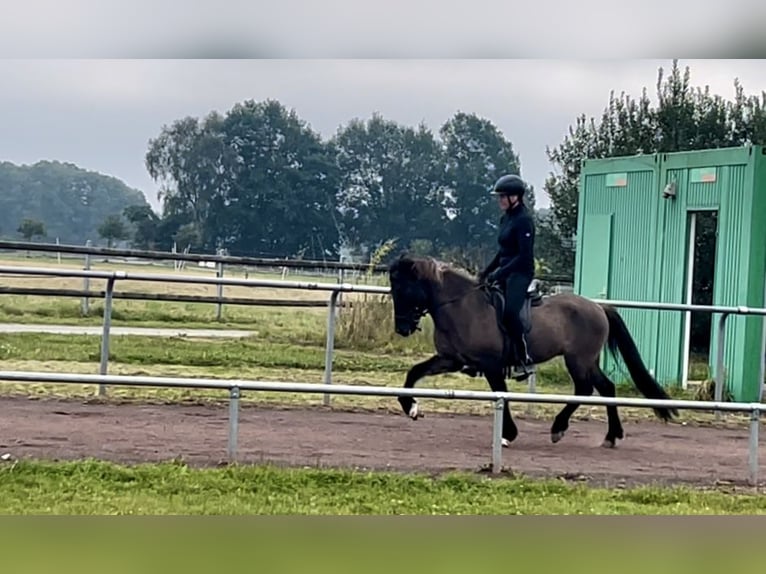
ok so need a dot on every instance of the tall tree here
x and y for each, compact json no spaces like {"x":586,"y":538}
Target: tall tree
{"x":278,"y":194}
{"x":113,"y":229}
{"x":70,"y":201}
{"x":685,"y":118}
{"x":476,"y":154}
{"x":145,"y":225}
{"x":391,"y":183}
{"x":188,"y":160}
{"x":30,"y":228}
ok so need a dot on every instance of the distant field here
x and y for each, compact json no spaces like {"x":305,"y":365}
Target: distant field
{"x":67,"y":310}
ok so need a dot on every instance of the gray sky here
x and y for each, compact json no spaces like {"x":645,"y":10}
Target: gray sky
{"x":100,"y":114}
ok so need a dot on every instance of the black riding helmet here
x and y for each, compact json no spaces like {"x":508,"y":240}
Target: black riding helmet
{"x":510,"y":184}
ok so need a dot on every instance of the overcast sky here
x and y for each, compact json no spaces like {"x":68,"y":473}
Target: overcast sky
{"x":100,"y":114}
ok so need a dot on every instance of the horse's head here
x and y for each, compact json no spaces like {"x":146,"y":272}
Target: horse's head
{"x":409,"y":279}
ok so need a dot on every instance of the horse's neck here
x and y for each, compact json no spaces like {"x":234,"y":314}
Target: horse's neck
{"x":451,"y":288}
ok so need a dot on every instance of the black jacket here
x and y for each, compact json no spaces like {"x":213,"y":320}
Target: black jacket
{"x":516,"y":239}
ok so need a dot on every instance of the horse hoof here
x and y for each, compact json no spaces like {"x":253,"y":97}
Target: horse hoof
{"x":557,"y":436}
{"x":608,"y":443}
{"x":505,"y":442}
{"x":414,"y":413}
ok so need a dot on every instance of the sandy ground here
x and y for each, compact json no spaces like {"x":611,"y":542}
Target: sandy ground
{"x":132,"y":433}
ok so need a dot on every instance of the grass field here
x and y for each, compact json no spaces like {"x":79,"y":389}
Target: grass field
{"x":92,"y":487}
{"x":288,"y":345}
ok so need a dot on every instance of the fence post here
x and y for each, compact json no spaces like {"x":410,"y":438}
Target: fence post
{"x":497,"y":437}
{"x":755,"y":422}
{"x":341,"y":278}
{"x":234,"y":394}
{"x":330,"y":344}
{"x":86,"y":282}
{"x":719,"y":374}
{"x":532,"y":388}
{"x":106,"y":329}
{"x":219,"y":290}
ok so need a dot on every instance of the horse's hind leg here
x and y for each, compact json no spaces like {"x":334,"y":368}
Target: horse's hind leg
{"x":583,"y":386}
{"x":436,"y":365}
{"x":605,"y":388}
{"x":497,"y":383}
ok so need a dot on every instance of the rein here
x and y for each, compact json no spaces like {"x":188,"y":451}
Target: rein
{"x":419,"y":313}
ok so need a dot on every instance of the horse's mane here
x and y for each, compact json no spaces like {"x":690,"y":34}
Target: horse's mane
{"x":434,"y":270}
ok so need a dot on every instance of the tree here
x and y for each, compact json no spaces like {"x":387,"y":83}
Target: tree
{"x":113,"y":229}
{"x":69,"y":201}
{"x":391,"y":183}
{"x":188,"y":159}
{"x":685,"y":118}
{"x":278,"y":193}
{"x":30,"y":228}
{"x":256,"y":180}
{"x":146,"y":226}
{"x":476,"y":154}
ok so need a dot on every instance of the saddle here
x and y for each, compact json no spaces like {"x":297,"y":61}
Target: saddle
{"x":496,"y":296}
{"x":534,"y":298}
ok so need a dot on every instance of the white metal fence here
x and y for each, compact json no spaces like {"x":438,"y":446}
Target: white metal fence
{"x":335,"y":289}
{"x":236,"y":387}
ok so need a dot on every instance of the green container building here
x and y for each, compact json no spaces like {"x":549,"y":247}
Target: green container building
{"x":635,"y":242}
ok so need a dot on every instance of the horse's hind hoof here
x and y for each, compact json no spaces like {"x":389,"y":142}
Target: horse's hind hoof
{"x":557,"y":436}
{"x":609,"y":443}
{"x":414,"y":413}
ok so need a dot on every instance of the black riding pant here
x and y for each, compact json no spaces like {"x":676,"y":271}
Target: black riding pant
{"x":515,"y":294}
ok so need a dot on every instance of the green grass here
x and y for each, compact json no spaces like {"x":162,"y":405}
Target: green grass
{"x":103,"y":488}
{"x":230,"y":353}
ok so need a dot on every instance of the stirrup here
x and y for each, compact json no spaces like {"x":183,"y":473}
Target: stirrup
{"x":470,"y":371}
{"x":521,"y":372}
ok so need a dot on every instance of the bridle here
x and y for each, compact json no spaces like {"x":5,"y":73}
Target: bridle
{"x":419,"y":312}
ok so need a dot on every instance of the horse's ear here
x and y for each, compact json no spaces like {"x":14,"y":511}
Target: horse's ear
{"x":397,"y":264}
{"x":403,"y":260}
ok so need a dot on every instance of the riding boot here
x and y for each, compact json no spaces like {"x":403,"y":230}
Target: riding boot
{"x":522,"y":367}
{"x":470,"y":371}
{"x":519,"y":358}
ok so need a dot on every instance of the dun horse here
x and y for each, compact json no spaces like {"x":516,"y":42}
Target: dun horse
{"x":468,"y":334}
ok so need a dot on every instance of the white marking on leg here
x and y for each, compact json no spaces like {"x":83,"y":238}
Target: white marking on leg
{"x":505,"y":442}
{"x":414,"y":410}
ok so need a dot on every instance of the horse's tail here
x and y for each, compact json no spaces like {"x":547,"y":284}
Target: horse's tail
{"x":621,"y":339}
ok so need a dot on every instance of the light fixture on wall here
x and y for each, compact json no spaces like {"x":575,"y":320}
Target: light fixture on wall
{"x":670,"y":191}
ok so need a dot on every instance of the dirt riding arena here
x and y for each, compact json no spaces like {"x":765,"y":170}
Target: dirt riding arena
{"x":131,"y":433}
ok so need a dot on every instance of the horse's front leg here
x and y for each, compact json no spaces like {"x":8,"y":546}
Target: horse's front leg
{"x":436,"y":365}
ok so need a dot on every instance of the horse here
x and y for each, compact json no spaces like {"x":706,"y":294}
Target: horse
{"x":468,"y":333}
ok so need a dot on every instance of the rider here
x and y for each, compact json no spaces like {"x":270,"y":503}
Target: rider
{"x":513,"y":267}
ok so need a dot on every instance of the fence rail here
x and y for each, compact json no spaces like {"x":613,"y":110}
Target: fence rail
{"x":111,"y":277}
{"x":328,"y":389}
{"x":725,"y":313}
{"x":191,"y":257}
{"x":133,"y":296}
{"x":221,"y":260}
{"x":236,"y":387}
{"x":336,"y":289}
